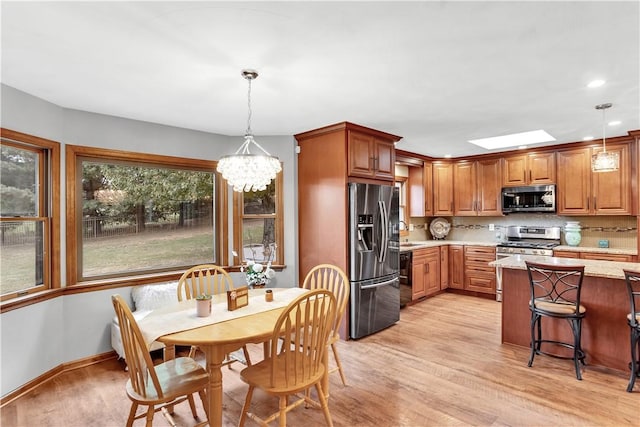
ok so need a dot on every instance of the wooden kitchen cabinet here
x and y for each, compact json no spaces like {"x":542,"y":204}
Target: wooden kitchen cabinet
{"x":478,"y":275}
{"x":476,"y":186}
{"x":529,"y":169}
{"x":607,"y":256}
{"x":566,"y":254}
{"x":600,"y":256}
{"x":444,"y":267}
{"x":371,"y":156}
{"x":456,"y":266}
{"x":428,"y":188}
{"x":582,"y":192}
{"x":323,"y":176}
{"x":442,"y":189}
{"x":420,"y":191}
{"x":426,"y":272}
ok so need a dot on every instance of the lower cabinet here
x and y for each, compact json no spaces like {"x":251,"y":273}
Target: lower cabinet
{"x":444,"y":267}
{"x":463,"y":267}
{"x":600,"y":256}
{"x":478,"y":275}
{"x":456,"y":266}
{"x":426,"y":272}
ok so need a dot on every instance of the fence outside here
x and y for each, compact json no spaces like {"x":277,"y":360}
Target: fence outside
{"x":24,"y":232}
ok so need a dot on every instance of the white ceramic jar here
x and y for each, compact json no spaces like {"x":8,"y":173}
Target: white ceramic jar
{"x":572,"y":233}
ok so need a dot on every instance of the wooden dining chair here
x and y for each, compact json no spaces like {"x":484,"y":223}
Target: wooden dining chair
{"x":332,"y":278}
{"x":293,"y":369}
{"x":160,"y":386}
{"x":208,"y":279}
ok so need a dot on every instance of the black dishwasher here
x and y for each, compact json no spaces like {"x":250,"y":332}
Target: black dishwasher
{"x":405,"y":278}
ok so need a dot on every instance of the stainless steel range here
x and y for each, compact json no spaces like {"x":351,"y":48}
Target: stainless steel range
{"x":530,"y":240}
{"x":525,"y":240}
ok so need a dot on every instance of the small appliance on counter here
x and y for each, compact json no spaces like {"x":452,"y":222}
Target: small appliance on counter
{"x":439,"y":228}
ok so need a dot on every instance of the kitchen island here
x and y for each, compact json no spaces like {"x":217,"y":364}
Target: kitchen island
{"x":605,"y":334}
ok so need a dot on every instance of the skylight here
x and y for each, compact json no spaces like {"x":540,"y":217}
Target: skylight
{"x":513,"y":140}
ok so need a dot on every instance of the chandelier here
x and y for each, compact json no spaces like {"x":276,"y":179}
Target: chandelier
{"x":245,"y":171}
{"x":604,"y":161}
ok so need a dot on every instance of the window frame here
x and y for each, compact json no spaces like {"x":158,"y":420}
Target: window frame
{"x":238,"y":221}
{"x":48,"y":207}
{"x":401,"y":183}
{"x":76,"y":154}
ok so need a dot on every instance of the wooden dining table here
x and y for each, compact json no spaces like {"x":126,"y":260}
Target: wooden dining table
{"x":218,"y":339}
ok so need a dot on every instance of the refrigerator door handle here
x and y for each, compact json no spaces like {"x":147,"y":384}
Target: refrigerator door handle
{"x":384,"y":243}
{"x":377,"y":285}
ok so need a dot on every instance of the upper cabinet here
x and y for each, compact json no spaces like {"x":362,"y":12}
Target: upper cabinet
{"x":370,"y":155}
{"x":529,"y":169}
{"x":325,"y":165}
{"x":477,"y":188}
{"x":421,"y":190}
{"x":582,"y":192}
{"x":442,"y":188}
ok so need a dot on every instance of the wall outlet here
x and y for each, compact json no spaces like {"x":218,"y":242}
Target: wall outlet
{"x":492,"y":227}
{"x":410,"y":227}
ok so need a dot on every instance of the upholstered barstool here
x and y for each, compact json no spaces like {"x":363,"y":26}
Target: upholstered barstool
{"x":633,"y":319}
{"x":555,"y":294}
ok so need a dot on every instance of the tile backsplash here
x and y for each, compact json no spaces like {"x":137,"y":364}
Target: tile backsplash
{"x":621,"y":231}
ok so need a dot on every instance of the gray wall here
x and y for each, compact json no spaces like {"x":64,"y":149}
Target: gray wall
{"x":37,"y":338}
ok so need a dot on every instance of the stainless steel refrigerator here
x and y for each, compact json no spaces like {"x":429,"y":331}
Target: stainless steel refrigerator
{"x":373,"y":258}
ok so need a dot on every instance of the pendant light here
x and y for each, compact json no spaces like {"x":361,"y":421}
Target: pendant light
{"x":243,"y":170}
{"x":604,"y":161}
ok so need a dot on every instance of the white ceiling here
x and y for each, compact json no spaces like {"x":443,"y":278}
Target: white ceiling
{"x":435,"y":73}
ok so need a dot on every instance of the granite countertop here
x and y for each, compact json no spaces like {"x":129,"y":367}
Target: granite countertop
{"x":594,"y":268}
{"x":422,"y":244}
{"x":619,"y":251}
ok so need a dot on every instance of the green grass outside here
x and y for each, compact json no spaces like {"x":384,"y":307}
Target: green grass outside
{"x":115,"y":255}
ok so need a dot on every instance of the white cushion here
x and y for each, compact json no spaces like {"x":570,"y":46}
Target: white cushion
{"x":150,"y":297}
{"x":145,"y":298}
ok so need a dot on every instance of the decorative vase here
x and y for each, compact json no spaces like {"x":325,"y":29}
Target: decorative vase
{"x":203,"y":306}
{"x":572,"y":233}
{"x":258,"y":285}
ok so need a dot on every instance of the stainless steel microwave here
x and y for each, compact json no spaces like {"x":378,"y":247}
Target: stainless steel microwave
{"x":533,"y":198}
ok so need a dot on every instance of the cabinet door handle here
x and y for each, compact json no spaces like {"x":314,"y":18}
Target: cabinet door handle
{"x":529,"y":175}
{"x":588,"y":202}
{"x":595,"y":203}
{"x":426,"y":268}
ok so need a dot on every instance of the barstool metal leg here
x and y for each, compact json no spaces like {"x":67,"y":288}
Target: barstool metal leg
{"x":635,"y":364}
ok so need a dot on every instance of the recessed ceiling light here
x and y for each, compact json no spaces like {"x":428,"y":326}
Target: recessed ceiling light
{"x":447,"y":156}
{"x":615,"y":123}
{"x":513,"y":140}
{"x":596,"y":83}
{"x":522,"y":147}
{"x":588,"y":138}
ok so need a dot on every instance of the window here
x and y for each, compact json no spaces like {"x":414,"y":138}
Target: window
{"x":132,"y":214}
{"x":29,"y":214}
{"x":401,"y":184}
{"x":258,"y":224}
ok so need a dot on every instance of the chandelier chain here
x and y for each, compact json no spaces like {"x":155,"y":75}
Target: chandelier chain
{"x":249,"y":106}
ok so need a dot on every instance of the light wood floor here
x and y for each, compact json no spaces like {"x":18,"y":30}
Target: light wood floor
{"x":442,"y":364}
